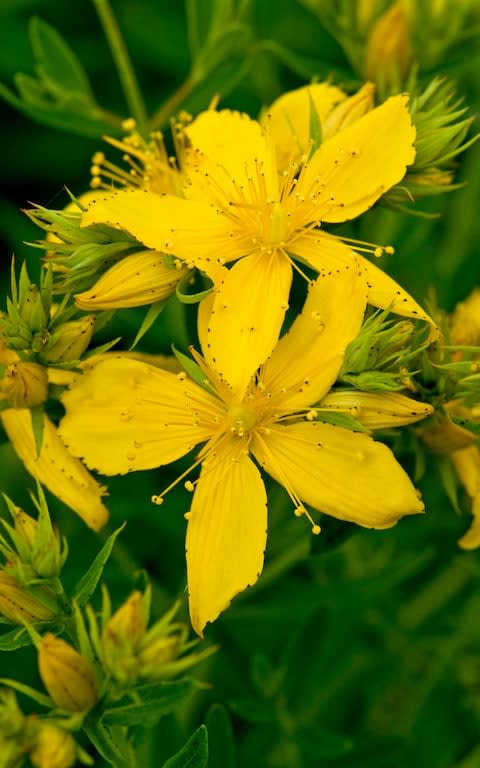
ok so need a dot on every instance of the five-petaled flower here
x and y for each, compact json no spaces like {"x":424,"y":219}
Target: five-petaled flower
{"x":238,"y":206}
{"x":126,"y":415}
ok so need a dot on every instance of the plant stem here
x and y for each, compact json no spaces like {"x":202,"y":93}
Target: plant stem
{"x":124,"y":67}
{"x":163,"y":114}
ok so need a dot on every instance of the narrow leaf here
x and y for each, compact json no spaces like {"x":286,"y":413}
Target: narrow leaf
{"x":194,"y":754}
{"x":86,"y":586}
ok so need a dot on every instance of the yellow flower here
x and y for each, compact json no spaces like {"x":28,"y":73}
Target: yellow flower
{"x":63,"y":474}
{"x":238,"y":208}
{"x":125,"y":415}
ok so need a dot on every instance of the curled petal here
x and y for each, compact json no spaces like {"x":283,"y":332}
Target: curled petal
{"x":56,"y":468}
{"x":377,"y":411}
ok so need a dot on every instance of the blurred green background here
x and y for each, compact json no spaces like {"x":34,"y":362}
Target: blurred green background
{"x":359,"y":649}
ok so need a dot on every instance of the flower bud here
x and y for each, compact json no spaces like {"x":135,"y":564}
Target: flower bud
{"x":348,"y":111}
{"x":389,"y":51}
{"x":121,"y":638}
{"x":25,"y":385}
{"x":54,"y":748}
{"x":157,"y":654}
{"x":138,"y":279}
{"x":68,"y":677}
{"x":445,"y":436}
{"x":465,"y":322}
{"x":69,"y":341}
{"x":19,"y":605}
{"x":25,"y":526}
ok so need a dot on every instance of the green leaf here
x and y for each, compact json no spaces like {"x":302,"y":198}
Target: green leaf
{"x":155,"y":701}
{"x":17,"y":638}
{"x":149,"y":319}
{"x":40,"y":698}
{"x":56,"y":62}
{"x":194,"y":754}
{"x":86,"y":586}
{"x":221,"y":744}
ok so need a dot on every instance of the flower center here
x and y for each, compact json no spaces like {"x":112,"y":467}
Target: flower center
{"x":241,"y":419}
{"x":278,"y":227}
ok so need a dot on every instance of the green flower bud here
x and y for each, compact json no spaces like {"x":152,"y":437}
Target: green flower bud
{"x":157,"y":654}
{"x":121,"y":638}
{"x":69,"y":341}
{"x":68,"y":677}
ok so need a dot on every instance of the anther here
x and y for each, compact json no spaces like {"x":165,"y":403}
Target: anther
{"x":189,"y":486}
{"x":316,"y":529}
{"x":157,"y":500}
{"x":129,"y":125}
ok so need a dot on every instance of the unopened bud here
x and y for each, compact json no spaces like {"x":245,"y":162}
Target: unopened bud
{"x":389,"y":51}
{"x":68,"y":677}
{"x":157,"y":654}
{"x":25,"y":385}
{"x":54,"y":748}
{"x":25,"y":526}
{"x":122,"y":636}
{"x":70,"y":341}
{"x":465,"y":322}
{"x":445,"y":436}
{"x":19,"y":605}
{"x":349,"y":110}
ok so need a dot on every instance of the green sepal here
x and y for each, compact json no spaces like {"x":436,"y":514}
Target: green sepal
{"x":38,"y":424}
{"x":86,"y":586}
{"x":190,"y":298}
{"x":192,"y":369}
{"x":315,"y":126}
{"x":344,"y":420}
{"x":194,"y":754}
{"x":153,"y":312}
{"x":156,"y":700}
{"x":17,"y":638}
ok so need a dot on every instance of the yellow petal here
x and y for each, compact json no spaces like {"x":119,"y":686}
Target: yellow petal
{"x":386,"y":293}
{"x":246,"y":317}
{"x":345,"y":474}
{"x":356,"y":166}
{"x":56,"y":468}
{"x":471,"y":539}
{"x":195,"y":232}
{"x":323,"y":251}
{"x":124,"y":415}
{"x":138,"y":279}
{"x":287,"y":120}
{"x":227,"y":148}
{"x":226,"y":534}
{"x":377,"y":411}
{"x":467,"y":466}
{"x":306,"y":361}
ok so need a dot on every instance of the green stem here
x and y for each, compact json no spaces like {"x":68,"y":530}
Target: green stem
{"x":164,"y":113}
{"x":102,"y":740}
{"x":433,"y":597}
{"x":125,"y":70}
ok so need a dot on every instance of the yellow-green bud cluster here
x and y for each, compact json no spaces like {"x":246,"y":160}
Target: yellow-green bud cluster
{"x":79,"y":255}
{"x":47,"y":744}
{"x":442,"y":130}
{"x":130,"y":652}
{"x":41,"y":334}
{"x":382,"y":357}
{"x":34,"y":550}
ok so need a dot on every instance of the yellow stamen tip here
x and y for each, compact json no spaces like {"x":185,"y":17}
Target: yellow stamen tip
{"x":157,"y":499}
{"x":129,"y":125}
{"x":189,"y":486}
{"x":316,"y":529}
